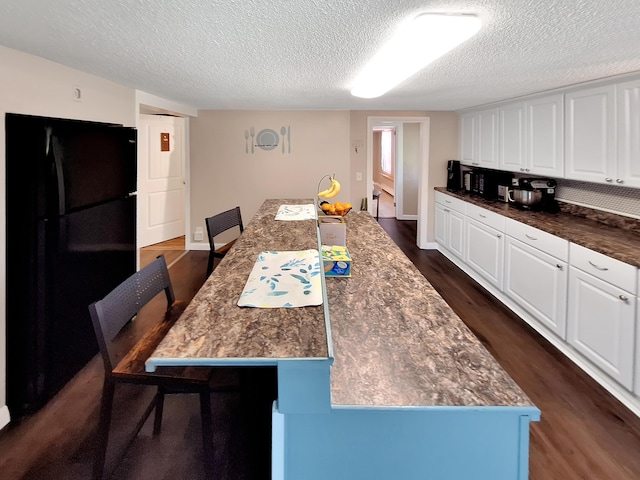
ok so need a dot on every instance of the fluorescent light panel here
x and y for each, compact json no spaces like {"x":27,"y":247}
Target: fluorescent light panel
{"x":426,"y":38}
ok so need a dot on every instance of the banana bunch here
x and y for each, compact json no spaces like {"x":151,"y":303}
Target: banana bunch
{"x":332,"y":191}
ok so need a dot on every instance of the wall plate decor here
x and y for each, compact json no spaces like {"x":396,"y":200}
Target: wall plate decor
{"x":268,"y":139}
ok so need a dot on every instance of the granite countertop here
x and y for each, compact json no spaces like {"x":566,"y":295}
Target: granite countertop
{"x":397,"y":342}
{"x":613,"y":235}
{"x":214,"y":327}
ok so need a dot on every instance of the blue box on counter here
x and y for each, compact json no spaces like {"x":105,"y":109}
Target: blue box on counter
{"x":336,"y":261}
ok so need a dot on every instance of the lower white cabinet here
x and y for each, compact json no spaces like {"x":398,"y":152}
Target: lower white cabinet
{"x":450,"y":229}
{"x":537,"y":281}
{"x":601,"y":324}
{"x":485,"y":251}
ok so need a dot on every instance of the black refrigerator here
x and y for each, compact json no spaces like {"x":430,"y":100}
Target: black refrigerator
{"x":70,"y":237}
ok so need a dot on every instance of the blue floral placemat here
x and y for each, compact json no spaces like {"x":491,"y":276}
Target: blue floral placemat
{"x":296,"y":212}
{"x":284,"y":279}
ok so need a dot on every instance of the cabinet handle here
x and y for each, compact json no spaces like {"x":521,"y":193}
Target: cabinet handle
{"x":482,"y":216}
{"x":447,"y":210}
{"x":608,"y":179}
{"x":447,"y":201}
{"x":522,"y":169}
{"x":619,"y":180}
{"x":499,"y":236}
{"x":624,"y":298}
{"x":526,"y":169}
{"x":560,"y":267}
{"x":602,"y":269}
{"x":530,"y":237}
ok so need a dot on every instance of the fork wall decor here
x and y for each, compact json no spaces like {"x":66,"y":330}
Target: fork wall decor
{"x":268,"y":139}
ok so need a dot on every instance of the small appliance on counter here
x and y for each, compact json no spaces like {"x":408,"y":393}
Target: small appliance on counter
{"x":485,"y":182}
{"x":453,"y":175}
{"x":466,"y":180}
{"x":536,"y":194}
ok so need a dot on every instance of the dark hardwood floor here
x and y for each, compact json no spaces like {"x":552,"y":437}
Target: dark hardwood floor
{"x":584,"y":433}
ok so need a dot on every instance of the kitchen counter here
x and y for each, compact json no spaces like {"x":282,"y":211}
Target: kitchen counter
{"x":381,"y":381}
{"x":612,"y":235}
{"x":409,"y":348}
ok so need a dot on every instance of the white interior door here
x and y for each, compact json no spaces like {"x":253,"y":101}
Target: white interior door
{"x":161,"y":179}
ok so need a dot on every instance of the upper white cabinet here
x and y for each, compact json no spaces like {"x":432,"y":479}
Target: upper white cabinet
{"x":479,"y":138}
{"x":531,"y":136}
{"x":590,"y":134}
{"x":545,"y":136}
{"x":512,"y":137}
{"x":628,"y":110}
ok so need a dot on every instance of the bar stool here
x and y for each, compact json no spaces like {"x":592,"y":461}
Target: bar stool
{"x":376,"y":197}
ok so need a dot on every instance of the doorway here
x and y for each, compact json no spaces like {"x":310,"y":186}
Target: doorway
{"x":410,"y":169}
{"x":161,"y":178}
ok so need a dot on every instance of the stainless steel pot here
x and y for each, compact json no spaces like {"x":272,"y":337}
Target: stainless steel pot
{"x":527,"y":197}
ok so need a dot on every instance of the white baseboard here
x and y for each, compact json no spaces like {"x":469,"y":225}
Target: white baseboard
{"x":5,"y":417}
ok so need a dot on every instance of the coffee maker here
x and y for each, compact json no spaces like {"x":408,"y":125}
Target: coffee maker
{"x":454,"y":181}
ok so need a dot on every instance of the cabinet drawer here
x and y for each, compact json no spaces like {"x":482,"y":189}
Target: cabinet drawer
{"x":487,"y":217}
{"x":603,"y":267}
{"x":546,"y":242}
{"x":450,"y":202}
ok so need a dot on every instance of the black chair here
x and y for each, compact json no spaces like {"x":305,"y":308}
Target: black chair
{"x":111,"y":316}
{"x":215,"y":226}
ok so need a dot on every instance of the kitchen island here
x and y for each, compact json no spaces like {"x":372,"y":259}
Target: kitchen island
{"x":382,"y":381}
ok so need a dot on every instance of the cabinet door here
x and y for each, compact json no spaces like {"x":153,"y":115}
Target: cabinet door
{"x":456,"y":233}
{"x":537,"y":282}
{"x":628,"y":108}
{"x":485,"y":251}
{"x":468,"y":139}
{"x":545,"y":136}
{"x":512,"y":137}
{"x":590,"y":151}
{"x":601,"y":324}
{"x":487,"y":138}
{"x":441,"y":226}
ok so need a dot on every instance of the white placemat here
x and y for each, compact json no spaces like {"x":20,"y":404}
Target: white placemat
{"x":296,"y":212}
{"x":284,"y":279}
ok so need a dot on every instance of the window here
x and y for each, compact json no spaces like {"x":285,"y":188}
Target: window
{"x":386,"y":159}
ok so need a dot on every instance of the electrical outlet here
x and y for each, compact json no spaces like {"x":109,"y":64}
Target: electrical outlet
{"x":198,"y":235}
{"x":358,"y":176}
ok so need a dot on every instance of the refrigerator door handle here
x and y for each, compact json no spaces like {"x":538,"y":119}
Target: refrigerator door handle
{"x":57,"y":159}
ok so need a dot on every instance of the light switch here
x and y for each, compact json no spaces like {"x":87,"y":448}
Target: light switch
{"x":358,"y":176}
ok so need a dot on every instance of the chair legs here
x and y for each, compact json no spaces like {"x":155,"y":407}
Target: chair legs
{"x":157,"y":421}
{"x":103,"y":429}
{"x":210,"y":264}
{"x":207,"y":433}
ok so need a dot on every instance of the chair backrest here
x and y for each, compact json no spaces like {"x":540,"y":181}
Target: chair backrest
{"x":222,"y":222}
{"x":114,"y":311}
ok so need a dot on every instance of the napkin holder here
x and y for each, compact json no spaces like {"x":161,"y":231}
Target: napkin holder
{"x":333,"y":230}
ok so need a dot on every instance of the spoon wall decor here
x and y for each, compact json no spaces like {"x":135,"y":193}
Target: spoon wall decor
{"x":283,"y":132}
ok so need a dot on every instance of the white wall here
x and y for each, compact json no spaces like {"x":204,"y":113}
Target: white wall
{"x":224,"y":175}
{"x":31,"y":85}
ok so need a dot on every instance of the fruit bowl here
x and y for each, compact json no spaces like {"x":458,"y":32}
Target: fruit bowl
{"x":335,"y":209}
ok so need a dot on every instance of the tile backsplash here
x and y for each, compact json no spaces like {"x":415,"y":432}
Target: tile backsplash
{"x":609,"y":198}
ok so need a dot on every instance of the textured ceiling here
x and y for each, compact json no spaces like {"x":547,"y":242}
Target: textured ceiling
{"x":304,"y":54}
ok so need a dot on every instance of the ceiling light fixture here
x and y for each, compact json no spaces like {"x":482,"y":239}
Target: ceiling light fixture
{"x":426,"y":38}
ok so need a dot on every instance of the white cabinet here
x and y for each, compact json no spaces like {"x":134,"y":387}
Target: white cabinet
{"x":536,"y":273}
{"x":628,"y":110}
{"x":545,"y":136}
{"x":512,"y":137}
{"x":590,"y":134}
{"x":479,"y":138}
{"x":531,"y":136}
{"x":537,"y":281}
{"x":601,"y":312}
{"x":484,"y":251}
{"x":449,"y":224}
{"x":468,"y":138}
